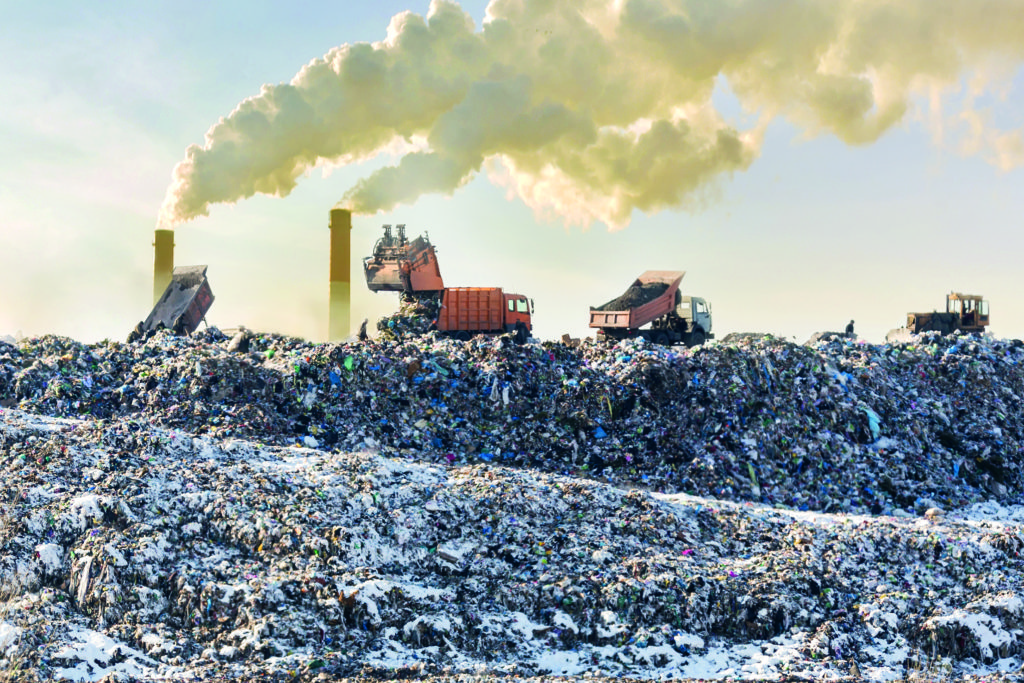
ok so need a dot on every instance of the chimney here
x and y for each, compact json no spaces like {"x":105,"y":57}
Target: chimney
{"x":339,"y":325}
{"x":163,"y":263}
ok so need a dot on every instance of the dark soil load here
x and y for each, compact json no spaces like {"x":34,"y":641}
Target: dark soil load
{"x":637,"y":295}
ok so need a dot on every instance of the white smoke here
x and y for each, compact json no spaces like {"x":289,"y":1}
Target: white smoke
{"x":591,"y":109}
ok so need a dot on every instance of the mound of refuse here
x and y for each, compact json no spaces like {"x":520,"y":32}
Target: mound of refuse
{"x":415,"y":317}
{"x":138,"y":552}
{"x":196,"y":508}
{"x":836,"y":426}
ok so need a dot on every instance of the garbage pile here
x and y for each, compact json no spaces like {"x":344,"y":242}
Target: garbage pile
{"x":415,"y":317}
{"x":264,"y":508}
{"x":836,"y":426}
{"x":138,"y":552}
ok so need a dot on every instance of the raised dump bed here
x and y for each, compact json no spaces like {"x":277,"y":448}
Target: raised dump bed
{"x":651,"y":296}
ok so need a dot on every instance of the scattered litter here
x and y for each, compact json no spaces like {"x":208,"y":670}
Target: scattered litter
{"x":184,"y":507}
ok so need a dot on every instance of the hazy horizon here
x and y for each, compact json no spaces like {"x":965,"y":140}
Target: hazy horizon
{"x":802,"y":172}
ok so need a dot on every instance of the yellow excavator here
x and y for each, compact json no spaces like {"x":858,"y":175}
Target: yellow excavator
{"x":964,"y":313}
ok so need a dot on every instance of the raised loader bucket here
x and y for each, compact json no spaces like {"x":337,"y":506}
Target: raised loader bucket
{"x":398,"y":265}
{"x":382,"y":277}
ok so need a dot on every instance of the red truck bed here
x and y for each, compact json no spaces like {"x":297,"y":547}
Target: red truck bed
{"x":614,"y":315}
{"x":472,"y":309}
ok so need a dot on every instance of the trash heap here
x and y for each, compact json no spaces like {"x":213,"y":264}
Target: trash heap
{"x":415,"y":316}
{"x":139,"y":552}
{"x":836,"y":426}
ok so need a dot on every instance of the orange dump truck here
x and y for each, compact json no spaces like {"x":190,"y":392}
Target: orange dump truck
{"x":466,"y":311}
{"x":653,"y":308}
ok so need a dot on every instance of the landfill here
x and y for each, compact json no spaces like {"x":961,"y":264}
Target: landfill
{"x":411,"y":506}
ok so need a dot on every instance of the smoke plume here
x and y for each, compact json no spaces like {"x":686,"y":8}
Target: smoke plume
{"x":591,"y":109}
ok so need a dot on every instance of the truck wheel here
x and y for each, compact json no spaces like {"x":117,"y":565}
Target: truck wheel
{"x":660,"y":338}
{"x":462,"y":335}
{"x":520,"y":335}
{"x":696,"y":338}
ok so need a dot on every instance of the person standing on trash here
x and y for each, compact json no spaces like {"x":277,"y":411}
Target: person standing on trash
{"x":849,"y":327}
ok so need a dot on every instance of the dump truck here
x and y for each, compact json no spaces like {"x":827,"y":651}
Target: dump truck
{"x":964,"y":312}
{"x":410,"y":267}
{"x":181,"y":307}
{"x":467,"y":311}
{"x":402,"y":265}
{"x":653,"y":308}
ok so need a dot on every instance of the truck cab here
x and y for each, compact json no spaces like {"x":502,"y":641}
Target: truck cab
{"x":697,"y":314}
{"x":517,"y":314}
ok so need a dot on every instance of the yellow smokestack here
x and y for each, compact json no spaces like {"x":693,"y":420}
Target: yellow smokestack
{"x":339,"y":324}
{"x":163,"y":262}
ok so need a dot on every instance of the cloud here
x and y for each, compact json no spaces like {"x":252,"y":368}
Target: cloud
{"x":590,"y":110}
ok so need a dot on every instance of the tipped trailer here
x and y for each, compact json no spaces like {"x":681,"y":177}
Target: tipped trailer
{"x":181,"y":307}
{"x":654,"y":309}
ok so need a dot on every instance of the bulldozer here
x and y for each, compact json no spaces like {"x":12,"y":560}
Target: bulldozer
{"x":400,"y":265}
{"x":964,"y":313}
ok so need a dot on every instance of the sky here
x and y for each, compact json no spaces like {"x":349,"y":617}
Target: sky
{"x":806,"y":163}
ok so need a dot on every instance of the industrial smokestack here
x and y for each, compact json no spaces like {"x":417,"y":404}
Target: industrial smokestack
{"x":163,"y":262}
{"x":339,"y":325}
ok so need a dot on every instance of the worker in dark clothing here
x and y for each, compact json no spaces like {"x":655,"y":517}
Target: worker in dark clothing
{"x":849,"y":327}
